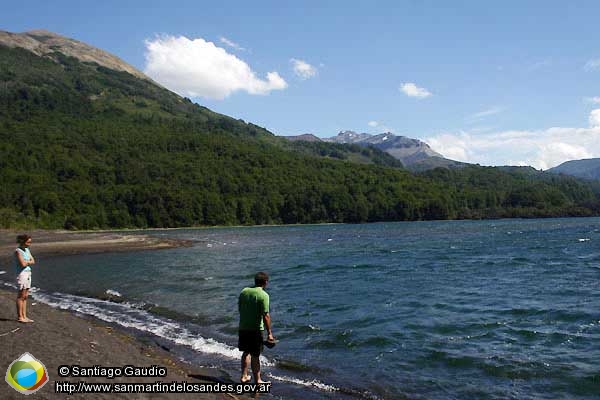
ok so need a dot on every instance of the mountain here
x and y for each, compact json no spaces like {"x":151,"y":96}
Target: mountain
{"x":311,"y":145}
{"x":44,"y":43}
{"x":307,"y":137}
{"x":84,"y":146}
{"x":587,"y":169}
{"x":349,"y":137}
{"x":413,"y":153}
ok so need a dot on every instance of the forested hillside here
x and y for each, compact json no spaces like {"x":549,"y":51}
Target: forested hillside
{"x":585,"y":169}
{"x":83,"y":146}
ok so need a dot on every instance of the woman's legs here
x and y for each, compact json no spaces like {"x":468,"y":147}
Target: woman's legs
{"x":22,"y":306}
{"x":24,"y":283}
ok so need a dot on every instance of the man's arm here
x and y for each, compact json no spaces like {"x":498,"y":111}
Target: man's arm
{"x":267,"y":321}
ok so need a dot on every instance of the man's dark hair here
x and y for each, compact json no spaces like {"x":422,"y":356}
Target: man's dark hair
{"x":261,"y":278}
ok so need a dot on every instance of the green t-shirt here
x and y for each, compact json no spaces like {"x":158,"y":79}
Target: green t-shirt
{"x":253,"y":304}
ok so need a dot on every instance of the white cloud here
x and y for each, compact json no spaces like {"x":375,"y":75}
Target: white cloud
{"x":592,"y":65}
{"x":412,"y":90}
{"x":595,"y":100}
{"x":302,"y":69}
{"x":541,"y":149}
{"x":483,"y":114}
{"x":198,"y":68}
{"x":373,"y":124}
{"x":230,"y":43}
{"x":595,"y":118}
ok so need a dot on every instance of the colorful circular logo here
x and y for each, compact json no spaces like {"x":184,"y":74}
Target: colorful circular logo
{"x":26,"y":374}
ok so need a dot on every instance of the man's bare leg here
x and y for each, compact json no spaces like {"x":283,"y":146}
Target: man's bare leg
{"x":245,"y":364}
{"x":256,"y":370}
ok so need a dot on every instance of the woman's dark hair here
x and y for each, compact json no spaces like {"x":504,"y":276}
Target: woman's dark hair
{"x":261,"y":278}
{"x":21,"y":239}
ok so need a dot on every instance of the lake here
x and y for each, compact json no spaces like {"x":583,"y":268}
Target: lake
{"x":411,"y":310}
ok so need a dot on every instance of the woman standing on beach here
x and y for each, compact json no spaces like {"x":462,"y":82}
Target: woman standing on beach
{"x":23,"y":260}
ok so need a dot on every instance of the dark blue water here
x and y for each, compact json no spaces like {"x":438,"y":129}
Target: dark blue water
{"x":428,"y":310}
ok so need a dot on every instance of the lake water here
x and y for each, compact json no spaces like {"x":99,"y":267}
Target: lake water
{"x":417,"y":310}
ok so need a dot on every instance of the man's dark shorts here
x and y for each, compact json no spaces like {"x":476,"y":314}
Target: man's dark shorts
{"x":251,"y":342}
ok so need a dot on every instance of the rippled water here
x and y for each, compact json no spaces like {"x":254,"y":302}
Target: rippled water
{"x":427,"y":310}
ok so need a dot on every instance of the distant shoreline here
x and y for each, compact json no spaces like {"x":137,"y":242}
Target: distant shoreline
{"x":54,"y":242}
{"x":59,"y":242}
{"x":8,"y":235}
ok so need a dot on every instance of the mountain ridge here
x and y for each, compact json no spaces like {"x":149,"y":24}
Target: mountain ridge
{"x":43,"y":43}
{"x":407,"y":150}
{"x":588,"y":168}
{"x":414,"y":154}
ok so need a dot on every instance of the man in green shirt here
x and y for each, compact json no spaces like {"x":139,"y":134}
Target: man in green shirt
{"x":253,"y":305}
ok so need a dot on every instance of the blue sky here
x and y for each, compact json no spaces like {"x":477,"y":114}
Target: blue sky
{"x":495,"y":83}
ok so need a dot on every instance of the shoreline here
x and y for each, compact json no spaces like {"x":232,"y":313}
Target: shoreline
{"x":60,"y":337}
{"x":67,"y":337}
{"x":52,"y":323}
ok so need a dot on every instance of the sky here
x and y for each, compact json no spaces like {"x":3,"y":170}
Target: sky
{"x":486,"y":82}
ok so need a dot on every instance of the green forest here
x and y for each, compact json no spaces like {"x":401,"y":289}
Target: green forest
{"x":86,"y":147}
